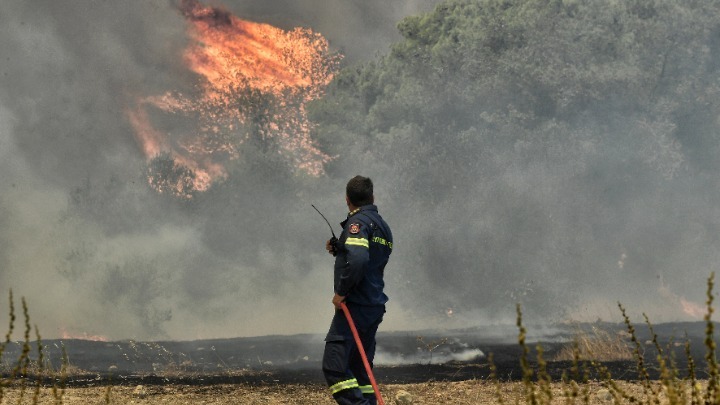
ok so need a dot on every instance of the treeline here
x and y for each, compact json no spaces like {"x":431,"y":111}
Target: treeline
{"x":489,"y":74}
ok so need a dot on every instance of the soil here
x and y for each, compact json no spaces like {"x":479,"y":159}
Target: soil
{"x":460,"y":392}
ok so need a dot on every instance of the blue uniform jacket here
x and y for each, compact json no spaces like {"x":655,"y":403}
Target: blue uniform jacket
{"x":364,"y":247}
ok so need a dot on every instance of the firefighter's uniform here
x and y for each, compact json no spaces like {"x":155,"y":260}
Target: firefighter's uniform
{"x":363,"y":250}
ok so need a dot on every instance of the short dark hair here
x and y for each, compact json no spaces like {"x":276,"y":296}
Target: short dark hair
{"x":359,"y":191}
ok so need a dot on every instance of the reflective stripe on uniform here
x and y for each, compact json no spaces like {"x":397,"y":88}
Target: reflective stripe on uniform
{"x":357,"y":242}
{"x":344,"y":385}
{"x":367,"y":389}
{"x":382,"y":241}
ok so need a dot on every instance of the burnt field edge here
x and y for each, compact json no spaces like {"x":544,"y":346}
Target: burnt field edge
{"x":424,"y":356}
{"x":406,"y":374}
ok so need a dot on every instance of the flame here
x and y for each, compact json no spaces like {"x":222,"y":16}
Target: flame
{"x":692,"y":309}
{"x":64,"y":334}
{"x":254,"y":81}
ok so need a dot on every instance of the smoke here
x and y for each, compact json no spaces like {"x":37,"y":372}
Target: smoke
{"x":391,"y":359}
{"x":96,"y":251}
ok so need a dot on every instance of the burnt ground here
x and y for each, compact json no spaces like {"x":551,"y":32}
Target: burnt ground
{"x":403,"y":357}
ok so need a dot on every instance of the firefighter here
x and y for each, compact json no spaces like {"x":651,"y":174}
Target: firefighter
{"x":361,"y":253}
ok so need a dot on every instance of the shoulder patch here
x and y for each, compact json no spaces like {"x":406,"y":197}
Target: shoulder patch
{"x":354,"y":228}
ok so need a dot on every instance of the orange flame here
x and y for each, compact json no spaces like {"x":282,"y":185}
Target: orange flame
{"x":254,"y":81}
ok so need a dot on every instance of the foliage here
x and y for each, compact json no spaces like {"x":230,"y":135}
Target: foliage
{"x":536,"y":60}
{"x":167,"y":176}
{"x":540,"y":115}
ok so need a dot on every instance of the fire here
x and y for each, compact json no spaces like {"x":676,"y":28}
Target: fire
{"x":692,"y":309}
{"x":64,"y":334}
{"x":254,"y":81}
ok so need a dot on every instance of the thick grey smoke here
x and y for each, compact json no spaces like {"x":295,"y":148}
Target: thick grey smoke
{"x":97,"y":252}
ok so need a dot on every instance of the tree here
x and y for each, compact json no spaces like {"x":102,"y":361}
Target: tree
{"x":168,"y":176}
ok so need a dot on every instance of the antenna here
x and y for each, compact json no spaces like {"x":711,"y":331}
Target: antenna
{"x":323,"y":216}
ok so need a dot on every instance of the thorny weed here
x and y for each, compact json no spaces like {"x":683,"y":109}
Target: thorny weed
{"x":670,"y":388}
{"x":11,"y":327}
{"x":711,"y":394}
{"x":17,"y":373}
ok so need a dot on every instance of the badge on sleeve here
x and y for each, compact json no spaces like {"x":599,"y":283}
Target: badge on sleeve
{"x":354,"y":229}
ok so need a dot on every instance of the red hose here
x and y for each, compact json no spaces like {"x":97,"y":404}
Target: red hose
{"x":361,"y":349}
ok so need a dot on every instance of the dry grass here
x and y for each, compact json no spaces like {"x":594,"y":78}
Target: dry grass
{"x":597,"y":344}
{"x":473,"y":392}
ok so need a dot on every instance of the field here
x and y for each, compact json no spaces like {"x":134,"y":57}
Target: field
{"x":578,"y":364}
{"x":191,"y":372}
{"x":461,"y":392}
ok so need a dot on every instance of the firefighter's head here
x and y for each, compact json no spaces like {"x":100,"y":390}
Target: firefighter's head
{"x":359,"y":191}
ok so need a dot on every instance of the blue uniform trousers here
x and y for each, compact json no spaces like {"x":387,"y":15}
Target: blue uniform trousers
{"x":342,"y":364}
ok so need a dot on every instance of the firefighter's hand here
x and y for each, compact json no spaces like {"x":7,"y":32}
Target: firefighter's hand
{"x":330,"y":247}
{"x":337,"y":299}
